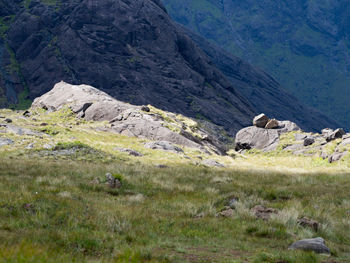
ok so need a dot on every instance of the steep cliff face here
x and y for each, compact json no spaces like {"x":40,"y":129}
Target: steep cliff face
{"x":304,"y":44}
{"x":130,"y":49}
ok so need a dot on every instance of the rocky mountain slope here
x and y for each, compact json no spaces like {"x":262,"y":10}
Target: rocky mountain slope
{"x":304,"y":44}
{"x":131,"y":50}
{"x":135,"y":53}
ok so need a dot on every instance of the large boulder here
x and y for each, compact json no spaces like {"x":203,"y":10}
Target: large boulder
{"x":337,"y":134}
{"x":257,"y":138}
{"x":261,"y":120}
{"x":314,"y":244}
{"x":263,"y":139}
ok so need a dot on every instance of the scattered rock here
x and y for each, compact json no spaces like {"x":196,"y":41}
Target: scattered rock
{"x":309,"y":141}
{"x":306,"y":222}
{"x":112,"y":181}
{"x":30,"y":146}
{"x":22,"y":131}
{"x":200,"y":215}
{"x":293,"y":147}
{"x":145,"y":109}
{"x":162,"y":166}
{"x":272,"y":124}
{"x":8,"y":120}
{"x":27,"y":113}
{"x":44,"y":124}
{"x":260,"y":121}
{"x":4,"y":142}
{"x":212,"y":163}
{"x":129,"y":151}
{"x":263,"y":212}
{"x":163,"y":145}
{"x":337,"y":134}
{"x":226,"y":212}
{"x":232,"y":202}
{"x":287,"y":126}
{"x":336,"y":156}
{"x":326,"y":132}
{"x":314,"y":244}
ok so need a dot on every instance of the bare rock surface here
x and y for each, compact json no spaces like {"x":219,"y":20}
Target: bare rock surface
{"x":5,"y":141}
{"x":163,"y":145}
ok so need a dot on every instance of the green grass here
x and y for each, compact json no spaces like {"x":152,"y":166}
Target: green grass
{"x":58,"y":207}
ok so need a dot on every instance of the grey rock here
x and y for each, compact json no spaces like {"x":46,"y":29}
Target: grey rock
{"x":257,"y":138}
{"x":260,"y":121}
{"x":307,"y":222}
{"x":27,"y":113}
{"x":263,"y":212}
{"x":324,"y":155}
{"x":326,"y":132}
{"x":22,"y":131}
{"x":337,"y":134}
{"x":112,"y":181}
{"x":8,"y":120}
{"x":314,"y":244}
{"x":30,"y":146}
{"x":293,"y":147}
{"x":309,"y":141}
{"x":287,"y":126}
{"x":299,"y":136}
{"x":145,"y":108}
{"x":163,"y":145}
{"x":345,"y":142}
{"x":48,"y":146}
{"x":226,"y":212}
{"x":336,"y":156}
{"x":130,"y":152}
{"x":272,"y":124}
{"x":5,"y":141}
{"x":212,"y":163}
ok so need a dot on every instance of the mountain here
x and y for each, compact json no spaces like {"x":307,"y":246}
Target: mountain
{"x":303,"y":44}
{"x":133,"y":51}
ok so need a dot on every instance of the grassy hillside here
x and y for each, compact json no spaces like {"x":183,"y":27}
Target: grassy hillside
{"x":303,"y":44}
{"x":55,"y":205}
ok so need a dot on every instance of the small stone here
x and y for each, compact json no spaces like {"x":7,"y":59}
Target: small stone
{"x":27,"y":113}
{"x":232,"y":203}
{"x":212,"y":163}
{"x":8,"y":120}
{"x":314,"y":244}
{"x":299,"y":136}
{"x":162,"y":166}
{"x":263,"y":212}
{"x":44,"y":124}
{"x":200,"y":215}
{"x":164,"y":145}
{"x":5,"y":141}
{"x":309,"y":141}
{"x":306,"y":222}
{"x":113,"y":182}
{"x":145,"y":109}
{"x":272,"y":124}
{"x":30,"y":146}
{"x":227,"y":212}
{"x":129,"y":151}
{"x":48,"y":146}
{"x":260,"y":121}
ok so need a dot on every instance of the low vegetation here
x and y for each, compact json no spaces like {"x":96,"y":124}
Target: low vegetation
{"x":55,"y":205}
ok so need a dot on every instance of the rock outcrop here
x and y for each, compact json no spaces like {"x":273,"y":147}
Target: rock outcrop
{"x":94,"y":105}
{"x":258,"y":137}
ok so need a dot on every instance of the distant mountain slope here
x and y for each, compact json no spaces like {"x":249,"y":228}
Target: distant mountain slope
{"x":133,"y":51}
{"x":304,"y":44}
{"x":262,"y":90}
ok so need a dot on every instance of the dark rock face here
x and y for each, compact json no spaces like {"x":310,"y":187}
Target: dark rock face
{"x":263,"y":92}
{"x":299,"y":42}
{"x":129,"y":49}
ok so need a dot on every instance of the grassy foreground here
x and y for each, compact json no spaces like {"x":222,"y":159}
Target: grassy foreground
{"x":59,"y":208}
